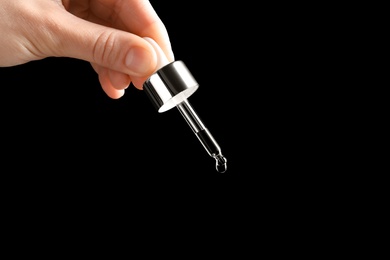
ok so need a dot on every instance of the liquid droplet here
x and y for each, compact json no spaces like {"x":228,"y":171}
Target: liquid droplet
{"x":220,"y":163}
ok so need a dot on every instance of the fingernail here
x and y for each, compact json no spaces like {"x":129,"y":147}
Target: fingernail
{"x":138,"y":61}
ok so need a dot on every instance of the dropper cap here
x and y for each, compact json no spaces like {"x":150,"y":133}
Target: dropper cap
{"x":171,"y":84}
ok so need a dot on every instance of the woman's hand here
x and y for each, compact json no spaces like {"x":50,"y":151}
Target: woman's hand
{"x":106,"y":33}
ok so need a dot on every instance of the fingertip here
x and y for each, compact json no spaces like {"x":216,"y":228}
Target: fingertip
{"x":138,"y":82}
{"x":109,"y":88}
{"x":113,"y":92}
{"x":119,"y":80}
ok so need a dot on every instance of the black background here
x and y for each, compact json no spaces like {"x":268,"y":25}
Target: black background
{"x":58,"y":122}
{"x":259,"y":84}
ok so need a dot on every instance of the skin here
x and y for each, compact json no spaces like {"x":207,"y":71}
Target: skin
{"x":107,"y":33}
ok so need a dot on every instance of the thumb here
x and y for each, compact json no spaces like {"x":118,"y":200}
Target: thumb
{"x":108,"y":47}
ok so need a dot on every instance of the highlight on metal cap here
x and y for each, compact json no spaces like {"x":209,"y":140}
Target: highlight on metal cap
{"x":171,"y":84}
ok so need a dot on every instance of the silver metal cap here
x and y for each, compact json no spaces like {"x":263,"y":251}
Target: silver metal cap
{"x":170,"y":85}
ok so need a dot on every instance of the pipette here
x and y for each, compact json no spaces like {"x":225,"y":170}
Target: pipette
{"x":170,"y":86}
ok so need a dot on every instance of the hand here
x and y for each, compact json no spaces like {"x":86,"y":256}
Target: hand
{"x":106,"y":33}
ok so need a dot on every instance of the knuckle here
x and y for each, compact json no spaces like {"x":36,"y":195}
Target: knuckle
{"x":104,"y":49}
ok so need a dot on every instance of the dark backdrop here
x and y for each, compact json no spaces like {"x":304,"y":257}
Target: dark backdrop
{"x":61,"y":134}
{"x":58,"y":121}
